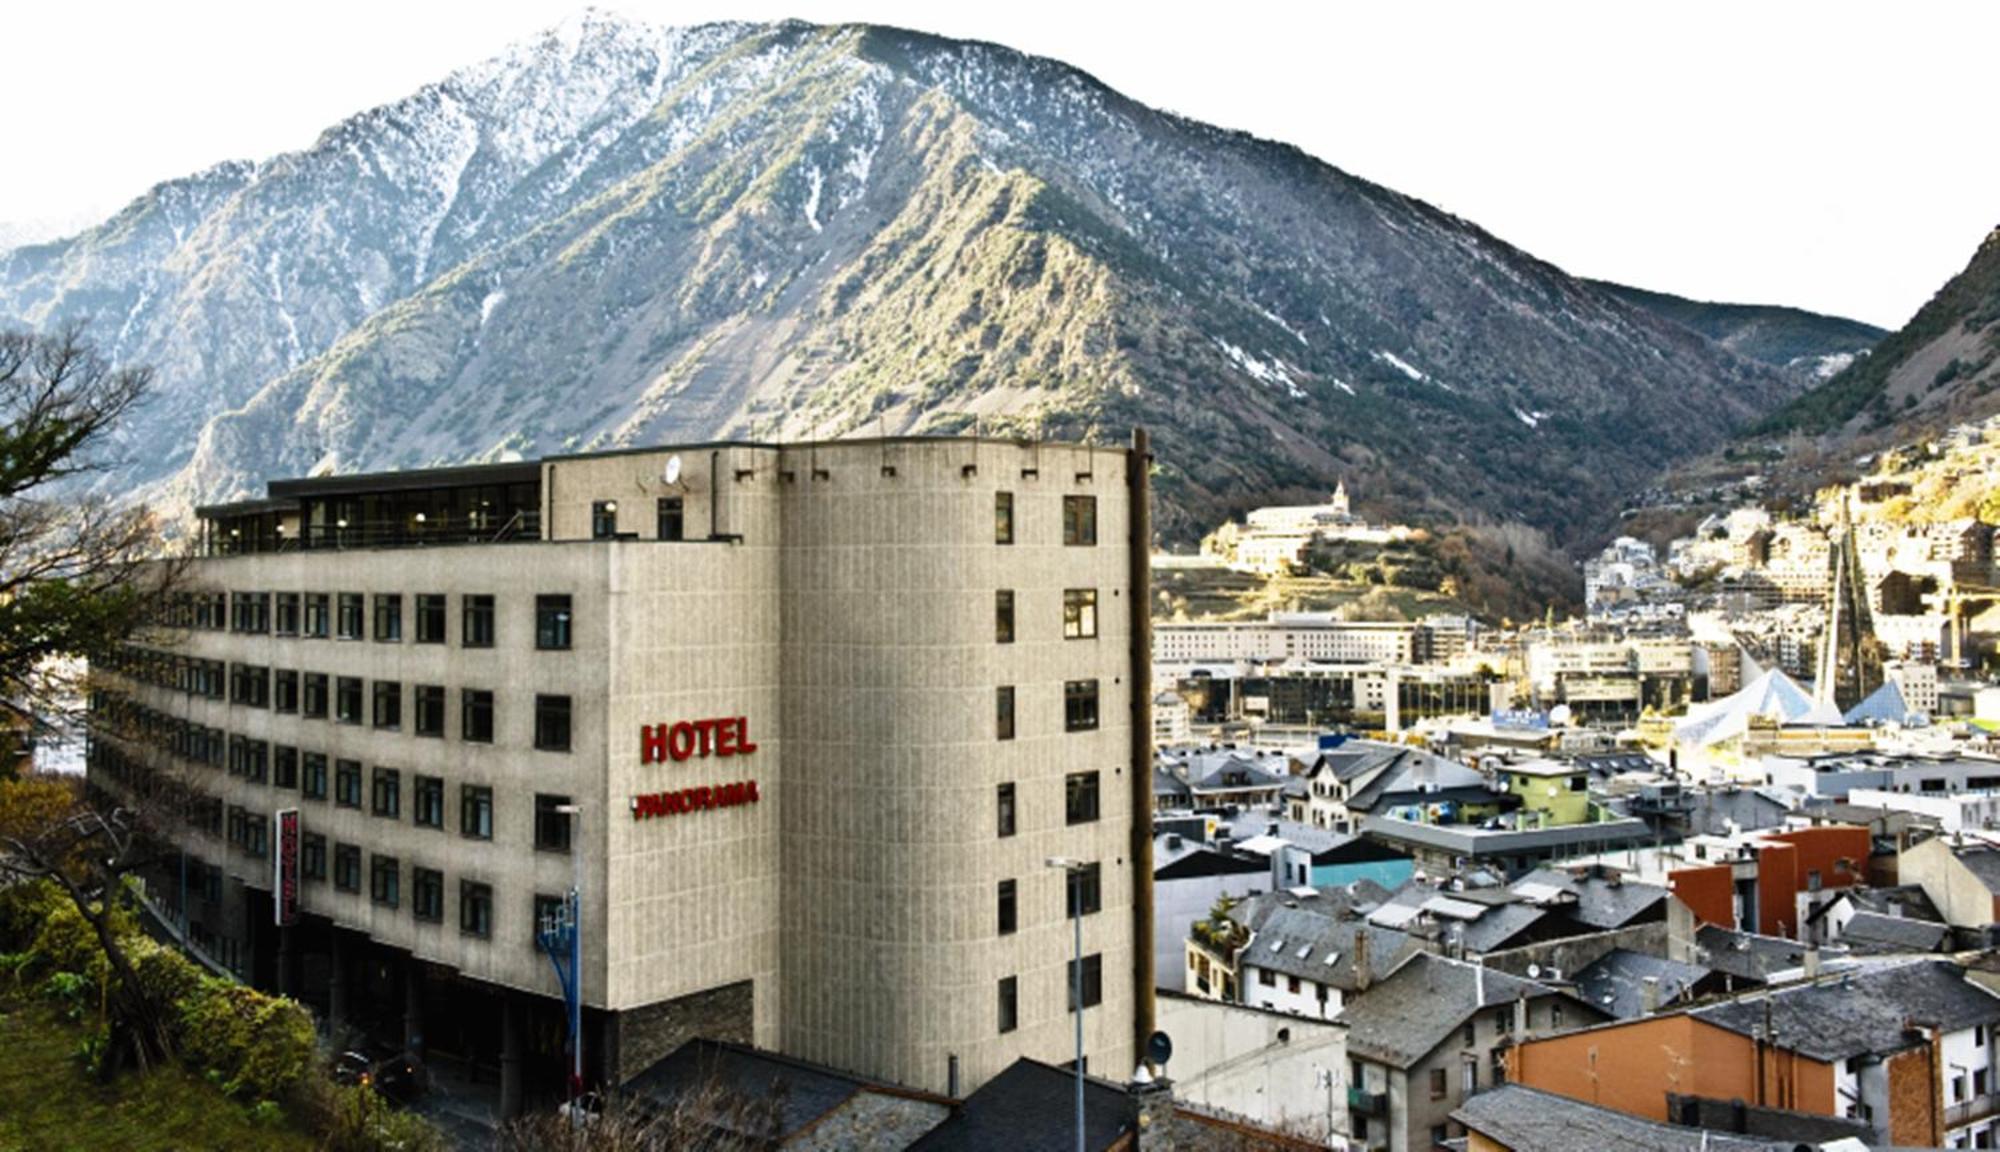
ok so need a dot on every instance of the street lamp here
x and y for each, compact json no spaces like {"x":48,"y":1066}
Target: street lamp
{"x":561,"y":937}
{"x":1071,"y":870}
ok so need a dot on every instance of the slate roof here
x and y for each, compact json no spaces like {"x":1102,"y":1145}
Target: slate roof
{"x":1502,"y":927}
{"x":1746,"y":955}
{"x":1601,"y":903}
{"x":1031,"y":1106}
{"x":1202,"y":860}
{"x":1875,"y":932}
{"x":807,"y":1095}
{"x":1616,"y":983}
{"x":1909,"y":901}
{"x":1401,"y":1019}
{"x":1713,"y":811}
{"x":1298,"y":941}
{"x":1861,"y":1013}
{"x":1165,"y":783}
{"x":1983,"y":862}
{"x":1529,"y":1120}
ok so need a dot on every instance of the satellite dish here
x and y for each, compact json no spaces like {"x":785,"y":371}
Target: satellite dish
{"x":1159,"y":1048}
{"x":1534,"y":971}
{"x":673,"y":473}
{"x":1559,"y":716}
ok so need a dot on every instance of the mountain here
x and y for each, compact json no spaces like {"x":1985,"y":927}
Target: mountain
{"x":1940,"y":369}
{"x":616,"y":233}
{"x":1806,"y":342}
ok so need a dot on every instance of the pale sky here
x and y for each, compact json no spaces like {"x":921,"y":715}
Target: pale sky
{"x":1828,"y":156}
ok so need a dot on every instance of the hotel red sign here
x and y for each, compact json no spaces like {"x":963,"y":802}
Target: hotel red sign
{"x":285,"y":868}
{"x":694,"y":740}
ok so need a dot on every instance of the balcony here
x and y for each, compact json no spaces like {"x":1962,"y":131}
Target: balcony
{"x":1368,"y":1103}
{"x":1972,"y":1111}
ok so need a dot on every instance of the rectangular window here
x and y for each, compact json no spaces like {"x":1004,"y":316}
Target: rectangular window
{"x":1080,"y":797}
{"x":673,"y":518}
{"x":475,"y":718}
{"x":427,"y":801}
{"x":603,"y":519}
{"x":388,"y":618}
{"x":1437,"y":1083}
{"x":312,"y":856}
{"x":552,"y":623}
{"x":347,"y":867}
{"x":347,"y":783}
{"x":1008,"y":919}
{"x":285,"y":767}
{"x":1003,"y":712}
{"x":1006,"y":799}
{"x":1093,"y":981}
{"x":475,"y":909}
{"x":476,"y":625}
{"x":1079,"y":705}
{"x":1079,"y":613}
{"x":552,"y":723}
{"x":347,"y":700}
{"x":1003,"y":616}
{"x":551,"y":826}
{"x":1010,"y":1004}
{"x":388,"y":704}
{"x":430,"y":618}
{"x":288,"y":614}
{"x":314,"y":703}
{"x":1003,"y":517}
{"x":256,"y":838}
{"x":387,"y":795}
{"x":475,"y":811}
{"x":427,"y":894}
{"x":285,"y":690}
{"x":1086,"y":890}
{"x":430,"y":709}
{"x":319,"y":606}
{"x":1079,"y":520}
{"x":312,"y":775}
{"x":385,"y":876}
{"x":347,"y":621}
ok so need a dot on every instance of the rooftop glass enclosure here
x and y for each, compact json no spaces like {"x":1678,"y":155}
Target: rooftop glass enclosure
{"x":485,"y":504}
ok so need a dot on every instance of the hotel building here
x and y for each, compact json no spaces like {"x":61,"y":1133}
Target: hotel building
{"x":804,"y":722}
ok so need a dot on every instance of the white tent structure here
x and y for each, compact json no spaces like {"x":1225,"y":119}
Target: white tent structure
{"x":1772,"y":695}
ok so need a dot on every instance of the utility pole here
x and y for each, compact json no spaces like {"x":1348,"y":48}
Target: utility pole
{"x":1072,"y":874}
{"x":561,"y":936}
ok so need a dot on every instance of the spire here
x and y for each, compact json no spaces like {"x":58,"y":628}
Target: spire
{"x":1340,"y":497}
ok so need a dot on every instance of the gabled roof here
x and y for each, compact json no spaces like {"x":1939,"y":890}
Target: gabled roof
{"x":1399,"y":1020}
{"x":1746,"y":955}
{"x":1862,"y":1013}
{"x":1522,"y":1118}
{"x":804,"y":1095}
{"x":1875,"y":932}
{"x":1032,"y":1105}
{"x":1600,"y":901}
{"x":1983,"y":861}
{"x":1616,"y":983}
{"x":1312,"y":945}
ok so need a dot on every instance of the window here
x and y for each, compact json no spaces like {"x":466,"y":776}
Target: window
{"x":347,"y":700}
{"x":673,"y":518}
{"x":318,"y":608}
{"x":551,"y":826}
{"x":1267,"y":978}
{"x":430,"y":618}
{"x":1093,"y":981}
{"x":347,"y":783}
{"x":475,"y":811}
{"x":312,"y":856}
{"x":288,"y":614}
{"x":1292,"y":985}
{"x":1008,"y":919}
{"x":314,"y":704}
{"x":285,"y":690}
{"x":388,"y":704}
{"x":1086,"y":890}
{"x":427,"y":894}
{"x":427,"y":801}
{"x":256,"y":835}
{"x":1555,"y":1014}
{"x":347,"y":621}
{"x":1003,"y":715}
{"x":1469,"y":1082}
{"x":1080,"y":520}
{"x":1003,"y":616}
{"x":1080,"y":797}
{"x":285,"y":767}
{"x":347,"y":867}
{"x":388,"y":618}
{"x":1006,"y":798}
{"x":312,"y":782}
{"x":430,"y":709}
{"x":1003,"y":517}
{"x":1079,"y":705}
{"x":476,"y":624}
{"x":1437,"y":1083}
{"x":475,"y":909}
{"x":1079,"y":613}
{"x":552,"y":623}
{"x":387,"y":797}
{"x":603,"y":519}
{"x":385,"y":877}
{"x":1010,"y":1004}
{"x":475,"y":718}
{"x":552,"y":723}
{"x":1471,"y":1032}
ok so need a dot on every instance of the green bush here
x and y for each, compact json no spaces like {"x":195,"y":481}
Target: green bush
{"x":259,"y":1047}
{"x":23,"y":910}
{"x":351,"y":1118}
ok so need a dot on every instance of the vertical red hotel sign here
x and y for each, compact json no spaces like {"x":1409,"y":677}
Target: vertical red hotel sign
{"x":285,"y":868}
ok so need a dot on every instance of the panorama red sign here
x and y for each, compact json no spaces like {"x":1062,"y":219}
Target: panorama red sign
{"x":285,"y":865}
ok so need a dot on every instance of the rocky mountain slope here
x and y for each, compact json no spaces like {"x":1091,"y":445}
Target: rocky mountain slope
{"x":617,"y":234}
{"x":1814,"y":345}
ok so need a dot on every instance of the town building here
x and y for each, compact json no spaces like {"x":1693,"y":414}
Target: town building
{"x":804,"y":723}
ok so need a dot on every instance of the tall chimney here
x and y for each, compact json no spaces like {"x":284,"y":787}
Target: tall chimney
{"x":1364,"y":975}
{"x":1812,"y":963}
{"x":1521,"y":1017}
{"x":1649,"y":993}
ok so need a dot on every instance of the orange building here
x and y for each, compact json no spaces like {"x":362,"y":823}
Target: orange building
{"x":1776,"y":869}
